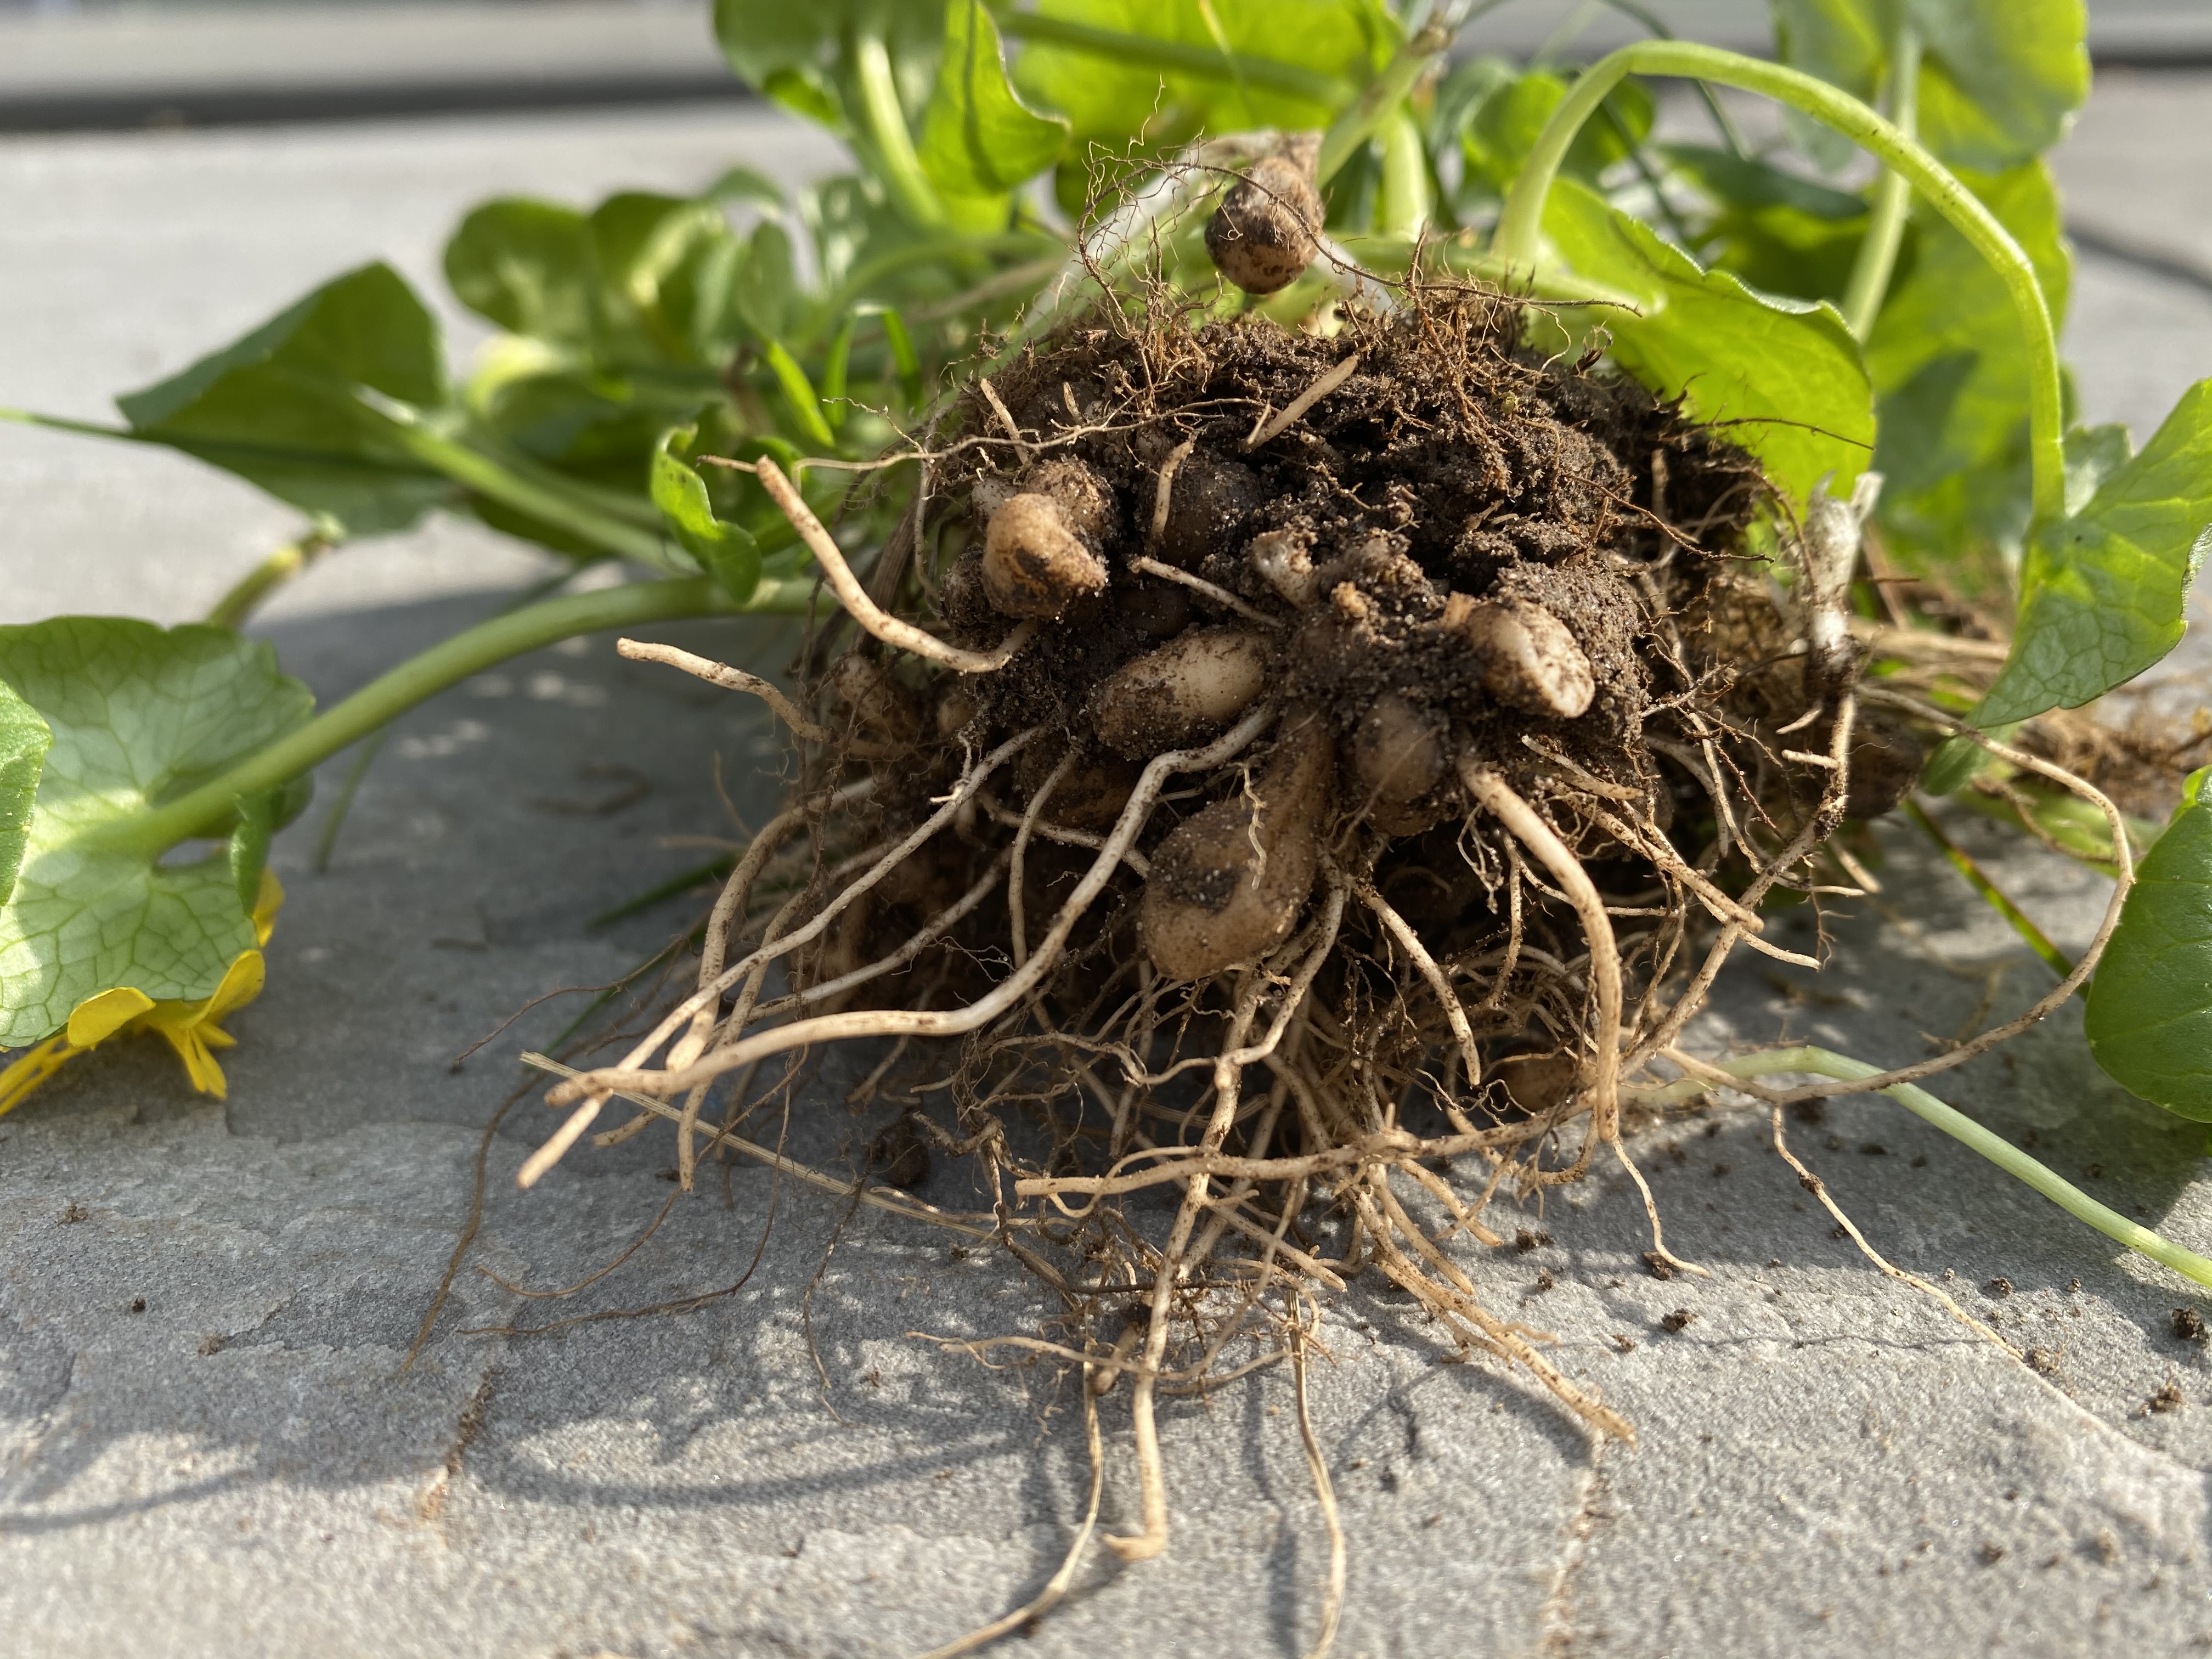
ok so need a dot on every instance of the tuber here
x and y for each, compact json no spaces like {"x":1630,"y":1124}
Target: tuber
{"x":1188,"y":688}
{"x":1227,"y":884}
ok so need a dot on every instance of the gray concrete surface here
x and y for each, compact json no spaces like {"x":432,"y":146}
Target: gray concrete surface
{"x":1826,"y":1464}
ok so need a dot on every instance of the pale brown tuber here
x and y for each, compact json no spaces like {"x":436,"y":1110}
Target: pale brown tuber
{"x":1192,"y":687}
{"x":1034,"y":563}
{"x":1227,"y":884}
{"x":1264,"y":234}
{"x":1529,"y":660}
{"x":1398,"y":754}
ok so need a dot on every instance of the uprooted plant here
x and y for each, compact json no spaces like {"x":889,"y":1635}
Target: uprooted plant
{"x":1325,"y":691}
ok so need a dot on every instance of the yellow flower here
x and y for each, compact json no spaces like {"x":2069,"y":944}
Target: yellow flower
{"x":190,"y":1027}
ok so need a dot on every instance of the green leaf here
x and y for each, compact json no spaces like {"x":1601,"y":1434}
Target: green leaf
{"x":1999,"y":78}
{"x":526,"y":266}
{"x":1782,"y":232}
{"x":279,"y":409}
{"x":24,"y":740}
{"x":2103,"y":590}
{"x":1111,"y":100}
{"x":2149,"y":1014}
{"x":138,"y":716}
{"x":723,"y":549}
{"x":794,"y":51}
{"x":977,"y":137}
{"x":1786,"y":372}
{"x":1953,"y":381}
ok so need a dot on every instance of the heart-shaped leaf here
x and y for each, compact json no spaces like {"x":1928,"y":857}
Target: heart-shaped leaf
{"x":136,"y":715}
{"x":2149,"y":1015}
{"x":279,"y":408}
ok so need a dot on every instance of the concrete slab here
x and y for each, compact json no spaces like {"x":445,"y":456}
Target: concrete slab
{"x":1828,"y":1464}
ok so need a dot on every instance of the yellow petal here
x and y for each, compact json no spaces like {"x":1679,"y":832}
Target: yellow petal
{"x":97,"y":1018}
{"x":241,"y":983}
{"x":33,"y":1068}
{"x":266,"y":903}
{"x":199,"y":1064}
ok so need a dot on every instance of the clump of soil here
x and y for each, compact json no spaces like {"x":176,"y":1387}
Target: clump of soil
{"x":1304,"y":808}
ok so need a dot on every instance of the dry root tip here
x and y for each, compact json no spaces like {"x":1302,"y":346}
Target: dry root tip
{"x":1034,"y":564}
{"x":1529,"y":659}
{"x":1192,"y":687}
{"x":1264,"y":234}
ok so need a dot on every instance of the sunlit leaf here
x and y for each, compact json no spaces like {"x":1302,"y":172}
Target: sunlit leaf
{"x":794,"y":50}
{"x":1948,"y":362}
{"x":1786,"y":373}
{"x":279,"y":407}
{"x":2149,"y":1014}
{"x":1111,"y":100}
{"x":1999,"y":78}
{"x":2105,"y":588}
{"x":24,"y":740}
{"x":138,"y":715}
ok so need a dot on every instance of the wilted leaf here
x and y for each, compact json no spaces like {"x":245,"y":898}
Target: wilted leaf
{"x":138,"y":715}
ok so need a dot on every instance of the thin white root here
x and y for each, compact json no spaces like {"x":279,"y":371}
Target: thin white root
{"x":1332,"y":1606}
{"x":1220,"y":596}
{"x":1295,"y":410}
{"x":957,"y":1022}
{"x":979,"y":1226}
{"x":1498,"y":797}
{"x":1813,"y":1184}
{"x":704,"y":998}
{"x":1162,"y":493}
{"x":904,"y":636}
{"x":729,"y":679}
{"x":1056,"y":1586}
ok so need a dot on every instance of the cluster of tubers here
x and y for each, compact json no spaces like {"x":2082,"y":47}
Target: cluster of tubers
{"x":1227,"y":884}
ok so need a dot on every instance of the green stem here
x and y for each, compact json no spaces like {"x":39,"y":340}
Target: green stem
{"x":1519,"y":226}
{"x":474,"y":470}
{"x":1962,"y":861}
{"x":246,"y":595}
{"x":1824,"y":1062}
{"x":1893,"y":196}
{"x":207,"y":809}
{"x":326,"y":839}
{"x":1142,"y":50}
{"x":1404,"y":207}
{"x":883,"y":121}
{"x":1356,"y":125}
